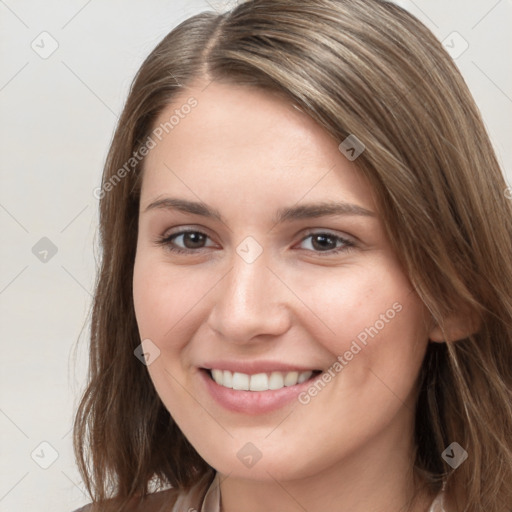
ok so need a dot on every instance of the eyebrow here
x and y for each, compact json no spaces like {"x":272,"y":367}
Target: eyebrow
{"x":287,"y":214}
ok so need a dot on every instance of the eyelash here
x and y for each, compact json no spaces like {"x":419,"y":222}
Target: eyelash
{"x":166,"y":241}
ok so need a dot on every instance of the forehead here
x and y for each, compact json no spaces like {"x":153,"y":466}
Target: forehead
{"x":239,"y":138}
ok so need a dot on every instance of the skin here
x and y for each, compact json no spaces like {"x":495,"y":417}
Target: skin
{"x":248,"y":153}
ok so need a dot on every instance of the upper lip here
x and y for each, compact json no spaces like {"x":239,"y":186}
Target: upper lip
{"x":253,"y":367}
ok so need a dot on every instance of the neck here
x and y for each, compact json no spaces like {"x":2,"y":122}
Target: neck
{"x":378,"y":477}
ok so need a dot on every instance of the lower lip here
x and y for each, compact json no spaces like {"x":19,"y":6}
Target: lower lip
{"x":253,"y":402}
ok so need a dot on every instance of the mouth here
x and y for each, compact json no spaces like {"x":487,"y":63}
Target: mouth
{"x":259,"y":382}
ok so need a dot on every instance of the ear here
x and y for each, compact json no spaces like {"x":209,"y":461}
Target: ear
{"x":456,"y":328}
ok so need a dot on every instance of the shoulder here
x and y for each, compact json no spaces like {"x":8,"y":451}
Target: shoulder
{"x":156,"y":502}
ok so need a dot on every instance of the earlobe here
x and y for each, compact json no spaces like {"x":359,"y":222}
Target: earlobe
{"x":436,"y":335}
{"x":455,"y":329}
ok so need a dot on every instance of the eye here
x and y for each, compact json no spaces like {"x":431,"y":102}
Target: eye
{"x":325,"y":242}
{"x":185,"y":241}
{"x":192,"y":241}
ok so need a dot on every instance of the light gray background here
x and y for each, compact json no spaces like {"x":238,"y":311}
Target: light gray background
{"x":57,"y":119}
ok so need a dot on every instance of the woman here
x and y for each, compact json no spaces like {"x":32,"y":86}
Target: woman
{"x":304,"y":298}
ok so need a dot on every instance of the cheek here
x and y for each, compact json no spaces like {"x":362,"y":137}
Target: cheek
{"x":150,"y":300}
{"x":357,"y":302}
{"x":164,"y":305}
{"x":165,"y":300}
{"x":370,"y":305}
{"x":171,"y":303}
{"x":373,"y":325}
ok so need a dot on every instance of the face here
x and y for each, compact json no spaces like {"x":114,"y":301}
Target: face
{"x":283,"y":333}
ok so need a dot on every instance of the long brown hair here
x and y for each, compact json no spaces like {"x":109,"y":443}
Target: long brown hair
{"x":363,"y":67}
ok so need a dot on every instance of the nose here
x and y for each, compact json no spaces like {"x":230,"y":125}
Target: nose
{"x":250,"y":302}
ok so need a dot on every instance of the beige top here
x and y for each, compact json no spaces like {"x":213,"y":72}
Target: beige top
{"x":201,"y":498}
{"x":197,"y":501}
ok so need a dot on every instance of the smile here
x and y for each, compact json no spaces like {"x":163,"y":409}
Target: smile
{"x":255,"y":387}
{"x":260,"y":381}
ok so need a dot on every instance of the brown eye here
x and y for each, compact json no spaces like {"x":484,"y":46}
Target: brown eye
{"x":185,"y":241}
{"x":326,"y":243}
{"x":323,"y":242}
{"x":193,"y":239}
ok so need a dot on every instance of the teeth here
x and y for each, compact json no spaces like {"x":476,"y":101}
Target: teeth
{"x":259,"y":381}
{"x":304,"y":376}
{"x":276,"y":380}
{"x":241,"y":381}
{"x":291,"y":378}
{"x":227,"y":377}
{"x":217,"y":375}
